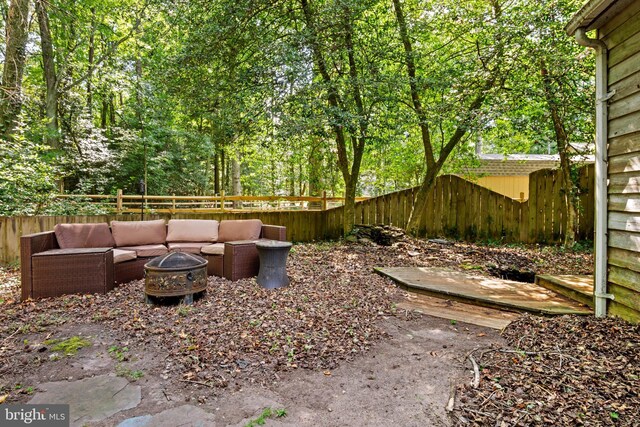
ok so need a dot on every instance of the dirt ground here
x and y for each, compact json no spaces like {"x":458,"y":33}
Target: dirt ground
{"x":405,"y":378}
{"x":331,"y":349}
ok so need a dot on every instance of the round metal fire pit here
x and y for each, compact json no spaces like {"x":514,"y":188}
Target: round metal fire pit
{"x":176,"y":274}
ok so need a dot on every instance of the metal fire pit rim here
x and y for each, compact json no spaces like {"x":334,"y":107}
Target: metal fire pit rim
{"x":165,"y":269}
{"x":194,"y":257}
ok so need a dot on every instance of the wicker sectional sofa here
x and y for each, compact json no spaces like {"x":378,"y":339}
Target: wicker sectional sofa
{"x":94,"y":258}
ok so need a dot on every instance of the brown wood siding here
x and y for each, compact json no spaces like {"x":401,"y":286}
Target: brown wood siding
{"x":622,"y":36}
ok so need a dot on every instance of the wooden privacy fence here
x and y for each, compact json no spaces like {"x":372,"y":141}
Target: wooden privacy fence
{"x":302,"y":226}
{"x":461,"y":209}
{"x":456,"y":208}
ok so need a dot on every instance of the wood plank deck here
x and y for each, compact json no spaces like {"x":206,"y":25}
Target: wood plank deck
{"x":578,"y":288}
{"x":479,"y":290}
{"x":458,"y":311}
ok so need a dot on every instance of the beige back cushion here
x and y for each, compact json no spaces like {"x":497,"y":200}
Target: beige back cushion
{"x":136,"y":233}
{"x":239,"y":229}
{"x":83,"y":236}
{"x":192,"y":230}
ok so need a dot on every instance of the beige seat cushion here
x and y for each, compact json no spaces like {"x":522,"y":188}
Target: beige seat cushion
{"x":83,"y":236}
{"x":146,"y":250}
{"x":192,"y":230}
{"x":120,"y":255}
{"x":193,"y":248}
{"x":215,"y":249}
{"x":138,"y":233}
{"x":239,"y":229}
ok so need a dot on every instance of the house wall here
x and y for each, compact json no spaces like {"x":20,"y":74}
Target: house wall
{"x":622,"y":36}
{"x":510,"y":186}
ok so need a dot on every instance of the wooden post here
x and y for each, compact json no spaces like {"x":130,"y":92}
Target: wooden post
{"x":324,"y":200}
{"x":522,"y":196}
{"x":119,"y":201}
{"x":174,"y":204}
{"x":222,"y":200}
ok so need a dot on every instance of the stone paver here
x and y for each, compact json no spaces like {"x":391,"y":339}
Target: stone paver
{"x":90,"y":399}
{"x":183,"y":416}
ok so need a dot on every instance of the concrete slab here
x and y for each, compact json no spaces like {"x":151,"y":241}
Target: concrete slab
{"x":90,"y":399}
{"x":479,"y":290}
{"x":183,"y":416}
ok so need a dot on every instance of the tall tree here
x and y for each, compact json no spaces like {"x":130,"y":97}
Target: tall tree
{"x":50,"y":76}
{"x":17,"y":28}
{"x":468,"y":69}
{"x":548,"y":104}
{"x":347,"y":112}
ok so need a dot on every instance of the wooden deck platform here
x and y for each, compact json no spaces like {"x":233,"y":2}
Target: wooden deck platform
{"x":479,"y":290}
{"x":578,"y":288}
{"x":458,"y":311}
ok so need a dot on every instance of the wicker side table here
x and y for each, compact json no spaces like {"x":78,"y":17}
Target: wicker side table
{"x":273,"y":263}
{"x":72,"y":271}
{"x":240,"y":259}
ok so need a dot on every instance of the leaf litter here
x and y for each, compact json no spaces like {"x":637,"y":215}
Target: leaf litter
{"x":240,"y":332}
{"x":561,"y":371}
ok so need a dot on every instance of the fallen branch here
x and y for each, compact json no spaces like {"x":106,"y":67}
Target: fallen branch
{"x":452,"y":398}
{"x":197,"y":382}
{"x":476,"y":372}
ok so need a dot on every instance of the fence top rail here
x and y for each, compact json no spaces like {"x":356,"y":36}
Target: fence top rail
{"x":210,"y":198}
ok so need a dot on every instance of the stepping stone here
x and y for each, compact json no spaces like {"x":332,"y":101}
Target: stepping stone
{"x":183,"y":416}
{"x":90,"y":399}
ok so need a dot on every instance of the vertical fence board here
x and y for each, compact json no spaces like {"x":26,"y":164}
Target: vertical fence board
{"x":558,"y":214}
{"x":470,"y":206}
{"x":434,"y":220}
{"x":450,"y":206}
{"x":540,"y":207}
{"x":548,"y":204}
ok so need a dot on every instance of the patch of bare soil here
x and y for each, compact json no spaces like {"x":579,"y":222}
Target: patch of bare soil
{"x":238,"y":336}
{"x":562,"y":371}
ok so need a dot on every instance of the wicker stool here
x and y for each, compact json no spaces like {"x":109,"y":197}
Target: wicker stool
{"x":273,"y":263}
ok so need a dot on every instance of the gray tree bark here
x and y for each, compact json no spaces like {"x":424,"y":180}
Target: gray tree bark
{"x":50,"y":78}
{"x":15,"y":56}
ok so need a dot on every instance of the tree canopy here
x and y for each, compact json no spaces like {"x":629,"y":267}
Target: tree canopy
{"x":288,"y":97}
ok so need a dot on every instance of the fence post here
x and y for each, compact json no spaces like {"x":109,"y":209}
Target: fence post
{"x":173,"y":204}
{"x":222,"y":200}
{"x":119,"y":201}
{"x":324,"y":200}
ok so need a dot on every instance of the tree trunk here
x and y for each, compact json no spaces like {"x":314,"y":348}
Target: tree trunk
{"x":90,"y":63}
{"x":292,"y":178}
{"x":236,"y":185}
{"x":569,"y":191}
{"x":104,"y":111}
{"x":434,"y":166}
{"x":315,"y":173}
{"x":216,"y":171}
{"x":223,"y":170}
{"x":349,"y":206}
{"x":50,"y":77}
{"x":17,"y":29}
{"x":349,"y":174}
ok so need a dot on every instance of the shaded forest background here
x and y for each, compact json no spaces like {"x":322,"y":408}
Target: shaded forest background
{"x":288,"y":97}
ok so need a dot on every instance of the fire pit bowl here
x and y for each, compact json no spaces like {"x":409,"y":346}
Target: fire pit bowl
{"x":176,"y":274}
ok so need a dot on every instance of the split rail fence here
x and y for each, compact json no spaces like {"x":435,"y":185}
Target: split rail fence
{"x":456,"y":208}
{"x":135,"y":203}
